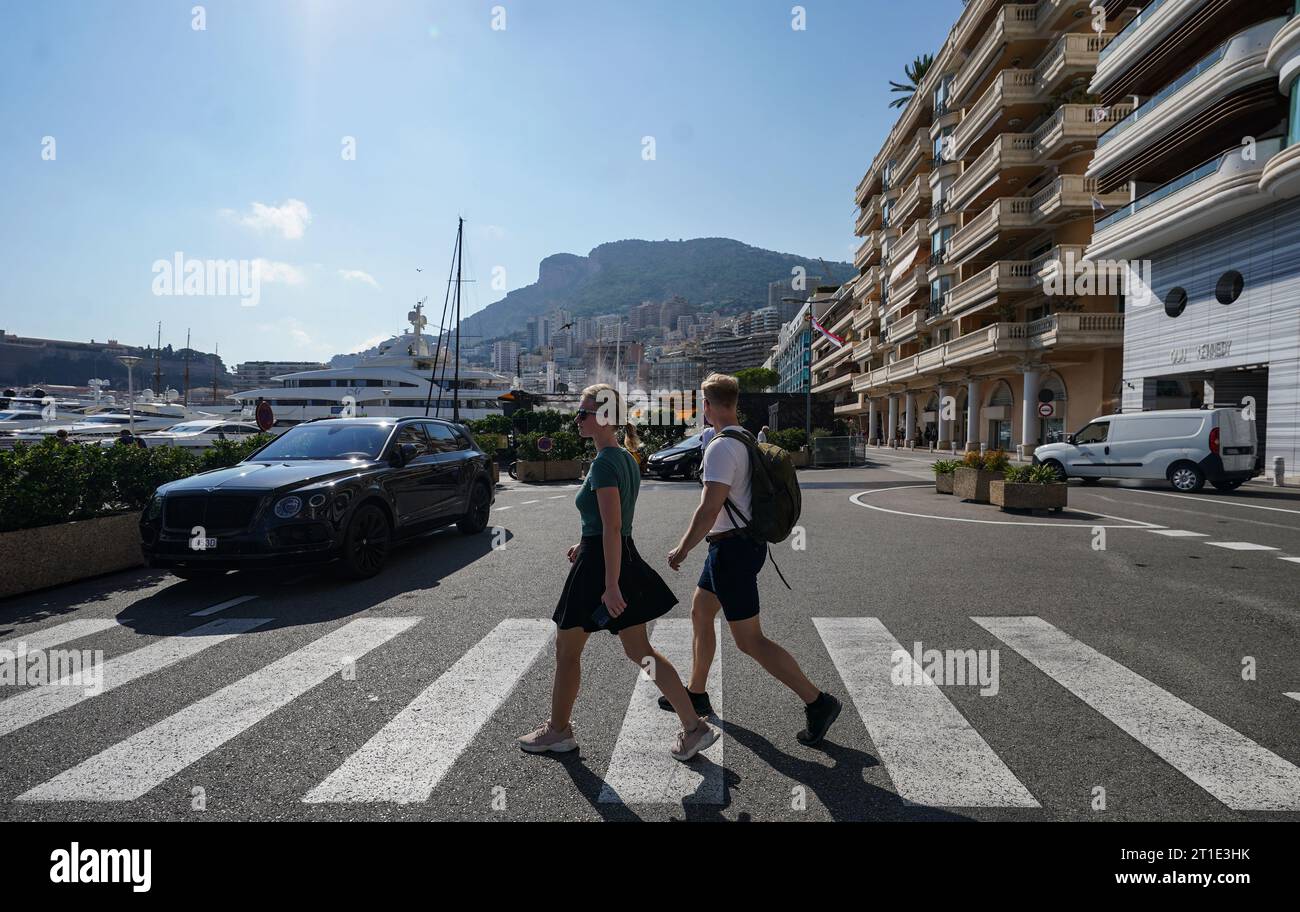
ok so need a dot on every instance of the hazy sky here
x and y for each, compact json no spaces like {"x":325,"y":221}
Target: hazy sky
{"x":127,"y":135}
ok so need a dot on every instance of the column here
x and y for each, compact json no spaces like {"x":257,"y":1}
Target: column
{"x":892,"y":429}
{"x":945,"y":425}
{"x":972,"y":414}
{"x":909,"y":434}
{"x":1029,"y":414}
{"x":871,"y":420}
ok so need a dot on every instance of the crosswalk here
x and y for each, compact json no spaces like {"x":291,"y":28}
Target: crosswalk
{"x":932,"y":753}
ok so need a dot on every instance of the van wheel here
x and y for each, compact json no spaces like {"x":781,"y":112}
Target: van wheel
{"x":366,"y":543}
{"x":1227,"y":485}
{"x":1186,"y":477}
{"x":1058,"y":470}
{"x":480,"y":506}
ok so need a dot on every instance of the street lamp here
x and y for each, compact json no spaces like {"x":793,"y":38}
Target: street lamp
{"x":130,"y":361}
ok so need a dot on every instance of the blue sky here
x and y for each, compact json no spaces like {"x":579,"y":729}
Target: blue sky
{"x":227,"y":143}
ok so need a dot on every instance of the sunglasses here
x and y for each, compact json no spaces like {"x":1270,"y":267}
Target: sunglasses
{"x":583,"y":414}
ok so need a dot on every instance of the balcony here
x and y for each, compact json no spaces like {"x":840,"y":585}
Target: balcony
{"x":1076,"y":127}
{"x":1074,"y":55}
{"x":1009,"y":213}
{"x":865,"y":348}
{"x":1010,"y":150}
{"x":903,"y":328}
{"x":866,"y":286}
{"x":1239,"y":62}
{"x":916,"y":153}
{"x":916,"y":195}
{"x":1014,"y":23}
{"x":851,"y":409}
{"x":866,"y":253}
{"x":868,"y":219}
{"x":1070,"y":196}
{"x":1010,"y":88}
{"x":988,"y":285}
{"x":1222,"y":189}
{"x":915,"y":280}
{"x":1136,"y":40}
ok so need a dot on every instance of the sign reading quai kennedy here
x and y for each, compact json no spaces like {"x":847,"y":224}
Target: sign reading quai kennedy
{"x":1207,"y":352}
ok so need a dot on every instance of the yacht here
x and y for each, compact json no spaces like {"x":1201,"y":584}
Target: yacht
{"x":393,"y":383}
{"x":96,"y":423}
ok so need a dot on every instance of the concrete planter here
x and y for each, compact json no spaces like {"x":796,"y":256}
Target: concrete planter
{"x":973,"y":484}
{"x":54,"y":555}
{"x":496,"y":474}
{"x":943,"y":484}
{"x":800,"y":459}
{"x":1015,"y":496}
{"x":549,"y":470}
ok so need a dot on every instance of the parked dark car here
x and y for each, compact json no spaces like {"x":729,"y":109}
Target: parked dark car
{"x":682,"y":458}
{"x":335,"y":490}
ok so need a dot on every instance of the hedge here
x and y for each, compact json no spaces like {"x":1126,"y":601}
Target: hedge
{"x":52,"y":482}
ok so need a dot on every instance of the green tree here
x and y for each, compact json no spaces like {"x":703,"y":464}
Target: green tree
{"x":915,"y":72}
{"x":757,"y":379}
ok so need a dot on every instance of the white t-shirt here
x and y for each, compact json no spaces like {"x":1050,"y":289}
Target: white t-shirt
{"x":727,"y":461}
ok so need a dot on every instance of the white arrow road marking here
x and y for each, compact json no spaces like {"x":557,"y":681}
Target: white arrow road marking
{"x":930,"y":751}
{"x":408,"y":757}
{"x":131,"y":768}
{"x":39,"y":702}
{"x":1227,"y":764}
{"x":641,"y":770}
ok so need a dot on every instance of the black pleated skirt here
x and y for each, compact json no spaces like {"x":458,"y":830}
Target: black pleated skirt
{"x":645,"y":592}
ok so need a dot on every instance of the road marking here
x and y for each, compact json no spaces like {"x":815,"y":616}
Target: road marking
{"x":641,"y":770}
{"x":502,"y":509}
{"x":39,"y":702}
{"x":223,"y":606}
{"x":1294,"y":696}
{"x":1130,"y":523}
{"x":48,"y":637}
{"x":1179,"y":533}
{"x":1239,"y":546}
{"x":1293,"y":560}
{"x":1200,"y":499}
{"x":1228,"y":765}
{"x":131,"y":768}
{"x":556,"y":497}
{"x":527,"y":502}
{"x":930,"y":751}
{"x":408,"y":757}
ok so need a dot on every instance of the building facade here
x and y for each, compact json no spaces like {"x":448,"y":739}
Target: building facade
{"x":256,"y":374}
{"x":975,"y":214}
{"x":1211,"y":161}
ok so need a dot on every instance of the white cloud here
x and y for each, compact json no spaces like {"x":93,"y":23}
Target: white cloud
{"x":493,"y":232}
{"x":290,"y":220}
{"x":272,"y":272}
{"x":370,"y":343}
{"x":356,"y":275}
{"x":296,"y":334}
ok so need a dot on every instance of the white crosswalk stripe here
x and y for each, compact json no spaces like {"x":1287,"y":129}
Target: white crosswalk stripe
{"x":641,"y":770}
{"x":1234,"y":769}
{"x":408,"y":757}
{"x":131,"y":768}
{"x":1239,"y":546}
{"x":49,"y":637}
{"x":1178,"y":533}
{"x":39,"y":702}
{"x":929,"y":749}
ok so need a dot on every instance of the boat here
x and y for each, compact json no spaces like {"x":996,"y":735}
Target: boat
{"x":97,"y":423}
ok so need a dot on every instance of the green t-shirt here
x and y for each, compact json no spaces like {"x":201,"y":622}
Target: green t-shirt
{"x":613,"y":467}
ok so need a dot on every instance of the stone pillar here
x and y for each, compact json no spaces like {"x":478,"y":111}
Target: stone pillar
{"x":945,"y":425}
{"x":909,"y":434}
{"x":871,"y":421}
{"x":972,"y":414}
{"x":892,"y":428}
{"x":1029,"y":415}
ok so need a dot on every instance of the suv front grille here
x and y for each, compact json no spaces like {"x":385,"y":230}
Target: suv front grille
{"x":214,"y":512}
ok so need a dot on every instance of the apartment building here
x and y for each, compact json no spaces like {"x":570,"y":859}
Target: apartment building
{"x":976,"y":213}
{"x":1211,"y":162}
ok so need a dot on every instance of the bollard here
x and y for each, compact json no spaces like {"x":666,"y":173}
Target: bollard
{"x":1279,"y":472}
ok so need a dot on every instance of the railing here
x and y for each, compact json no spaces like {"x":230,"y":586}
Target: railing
{"x":1128,"y":30}
{"x":1209,"y":62}
{"x":839,"y":451}
{"x":1263,"y":151}
{"x":991,"y":159}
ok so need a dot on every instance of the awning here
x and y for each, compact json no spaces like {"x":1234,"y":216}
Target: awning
{"x":903,"y":266}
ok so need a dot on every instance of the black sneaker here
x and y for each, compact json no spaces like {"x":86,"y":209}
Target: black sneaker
{"x":820,"y":714}
{"x":699,"y":701}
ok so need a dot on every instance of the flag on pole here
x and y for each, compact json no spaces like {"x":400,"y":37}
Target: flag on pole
{"x":837,"y":341}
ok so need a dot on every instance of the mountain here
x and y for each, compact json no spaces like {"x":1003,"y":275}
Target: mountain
{"x":617,"y":276}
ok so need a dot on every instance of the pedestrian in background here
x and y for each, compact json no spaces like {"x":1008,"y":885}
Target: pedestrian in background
{"x":610,"y":587}
{"x":762,"y":434}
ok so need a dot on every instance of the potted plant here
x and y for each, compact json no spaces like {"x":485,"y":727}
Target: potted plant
{"x":975,"y":472}
{"x":1035,"y":487}
{"x":944,"y":470}
{"x":550,"y":457}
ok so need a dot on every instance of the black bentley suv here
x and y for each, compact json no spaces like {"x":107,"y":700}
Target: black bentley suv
{"x":334,"y":490}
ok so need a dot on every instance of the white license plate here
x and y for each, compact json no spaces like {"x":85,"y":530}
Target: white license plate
{"x":203,"y":544}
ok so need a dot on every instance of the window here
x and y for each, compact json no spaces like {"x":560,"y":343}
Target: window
{"x":1293,"y":130}
{"x":1176,"y":302}
{"x":414,"y":435}
{"x":445,"y":440}
{"x":1093,"y":433}
{"x":1231,"y":284}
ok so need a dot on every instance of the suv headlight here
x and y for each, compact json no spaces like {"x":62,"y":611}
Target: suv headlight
{"x":288,"y":507}
{"x":153,"y":509}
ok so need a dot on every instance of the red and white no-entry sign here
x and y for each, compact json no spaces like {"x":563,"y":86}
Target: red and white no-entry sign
{"x":1046,"y":409}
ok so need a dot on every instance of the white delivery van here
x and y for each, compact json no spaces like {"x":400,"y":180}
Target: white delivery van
{"x":1186,"y":447}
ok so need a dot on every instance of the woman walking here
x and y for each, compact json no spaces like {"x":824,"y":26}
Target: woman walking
{"x":610,"y":587}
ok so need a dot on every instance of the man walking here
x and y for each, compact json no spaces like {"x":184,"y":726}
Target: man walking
{"x":729,"y":581}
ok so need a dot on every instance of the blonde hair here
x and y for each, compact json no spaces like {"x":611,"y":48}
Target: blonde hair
{"x":599,"y":391}
{"x":721,"y":389}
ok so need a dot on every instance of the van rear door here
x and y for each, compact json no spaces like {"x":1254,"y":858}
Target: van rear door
{"x":1237,"y":440}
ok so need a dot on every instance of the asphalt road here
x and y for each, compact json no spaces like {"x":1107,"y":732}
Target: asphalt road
{"x":1119,"y":692}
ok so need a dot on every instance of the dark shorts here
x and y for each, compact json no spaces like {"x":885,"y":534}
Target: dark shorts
{"x":731,"y":573}
{"x":647,"y":595}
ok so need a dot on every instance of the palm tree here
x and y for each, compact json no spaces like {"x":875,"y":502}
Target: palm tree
{"x":915,"y":72}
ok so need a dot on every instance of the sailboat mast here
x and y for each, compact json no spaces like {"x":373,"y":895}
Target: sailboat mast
{"x":186,"y":383}
{"x":460,"y":258}
{"x":157,"y":363}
